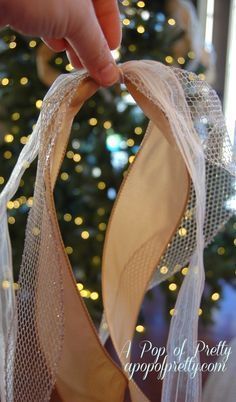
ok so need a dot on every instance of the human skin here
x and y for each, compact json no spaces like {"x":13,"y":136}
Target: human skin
{"x":87,"y":30}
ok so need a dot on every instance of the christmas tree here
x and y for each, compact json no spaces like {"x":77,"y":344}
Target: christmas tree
{"x":104,"y":140}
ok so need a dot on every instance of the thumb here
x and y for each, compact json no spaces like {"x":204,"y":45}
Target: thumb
{"x":87,"y":40}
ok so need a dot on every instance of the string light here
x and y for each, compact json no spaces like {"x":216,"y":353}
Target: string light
{"x":101,"y":211}
{"x":93,"y":121}
{"x":32,"y":43}
{"x":169,"y":59}
{"x":200,"y":311}
{"x":132,"y":48}
{"x":202,"y":77}
{"x":7,"y":154}
{"x":70,"y":154}
{"x":58,"y":60}
{"x":5,"y":81}
{"x":171,"y":21}
{"x":11,"y":220}
{"x":16,"y":286}
{"x":215,"y":296}
{"x":78,"y":220}
{"x":184,"y":271}
{"x":140,"y":328}
{"x":138,"y":130}
{"x":130,"y":142}
{"x":15,"y":116}
{"x":172,"y":286}
{"x":76,"y":157}
{"x":30,"y":201}
{"x":8,"y":138}
{"x":140,"y":4}
{"x":38,"y":103}
{"x":24,"y":80}
{"x":102,"y":226}
{"x":85,"y":235}
{"x":12,"y":45}
{"x":140,"y":29}
{"x":69,"y":250}
{"x":96,"y":260}
{"x":101,"y":185}
{"x":69,"y":67}
{"x":182,"y":232}
{"x":107,"y":124}
{"x":172,"y":311}
{"x":80,"y":286}
{"x":6,"y":284}
{"x":126,"y":21}
{"x":191,"y":54}
{"x":181,"y":60}
{"x":94,"y":295}
{"x":131,"y":158}
{"x":85,"y":293}
{"x":64,"y":176}
{"x":164,"y":270}
{"x":125,"y":3}
{"x":2,"y":180}
{"x":24,"y":140}
{"x":221,"y":250}
{"x":67,"y":217}
{"x":78,"y":168}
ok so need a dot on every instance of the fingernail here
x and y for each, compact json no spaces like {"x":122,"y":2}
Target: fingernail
{"x":109,"y":75}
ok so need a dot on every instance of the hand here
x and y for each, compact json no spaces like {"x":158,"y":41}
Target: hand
{"x":86,"y":29}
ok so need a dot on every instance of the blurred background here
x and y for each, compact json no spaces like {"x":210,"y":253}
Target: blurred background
{"x":199,"y":36}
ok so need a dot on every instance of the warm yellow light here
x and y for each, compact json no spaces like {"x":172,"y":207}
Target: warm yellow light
{"x":202,"y":77}
{"x":70,"y":154}
{"x":69,"y":67}
{"x":215,"y":296}
{"x":221,"y":250}
{"x":32,"y":43}
{"x":234,"y":239}
{"x":10,"y":205}
{"x":16,"y":286}
{"x":24,"y":140}
{"x":169,"y":59}
{"x":76,"y":157}
{"x":172,"y":286}
{"x":172,"y":311}
{"x":85,"y":293}
{"x":131,"y":158}
{"x":138,"y":130}
{"x":5,"y":81}
{"x":94,"y":296}
{"x":181,"y":60}
{"x":126,"y":21}
{"x":199,"y":311}
{"x":184,"y":271}
{"x":11,"y":220}
{"x":30,"y":201}
{"x":102,"y":226}
{"x":35,"y":231}
{"x":7,"y":154}
{"x":130,"y":142}
{"x":107,"y":124}
{"x":58,"y":60}
{"x":80,"y":286}
{"x":96,"y":260}
{"x":101,"y":211}
{"x":78,"y":168}
{"x":12,"y":45}
{"x":39,"y":103}
{"x":69,"y":250}
{"x":8,"y":138}
{"x":85,"y":234}
{"x":2,"y":180}
{"x":132,"y":48}
{"x":141,"y":4}
{"x":6,"y":284}
{"x":140,"y":328}
{"x":93,"y":121}
{"x":171,"y":21}
{"x":15,"y":116}
{"x":125,"y":3}
{"x":16,"y":204}
{"x":24,"y":80}
{"x":101,"y":185}
{"x":64,"y":176}
{"x":164,"y":270}
{"x":191,"y":54}
{"x":78,"y":220}
{"x":182,"y":232}
{"x":140,"y":29}
{"x":67,"y":217}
